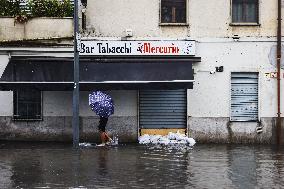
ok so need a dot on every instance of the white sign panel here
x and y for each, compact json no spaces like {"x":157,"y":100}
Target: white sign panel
{"x":96,"y":48}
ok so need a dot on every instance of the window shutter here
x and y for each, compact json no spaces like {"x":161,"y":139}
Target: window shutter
{"x":244,"y":97}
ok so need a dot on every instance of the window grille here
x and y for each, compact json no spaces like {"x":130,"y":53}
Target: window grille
{"x":27,"y":105}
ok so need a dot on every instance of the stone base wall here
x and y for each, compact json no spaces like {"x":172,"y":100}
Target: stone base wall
{"x":59,"y":128}
{"x":203,"y":130}
{"x":221,"y":130}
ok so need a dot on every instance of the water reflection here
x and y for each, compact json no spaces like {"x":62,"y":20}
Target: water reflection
{"x":5,"y":174}
{"x":26,"y":170}
{"x":242,"y":166}
{"x":209,"y":167}
{"x":279,"y":164}
{"x":102,"y":162}
{"x":136,"y":166}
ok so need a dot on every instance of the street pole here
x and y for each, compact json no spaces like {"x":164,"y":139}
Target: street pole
{"x":278,"y":120}
{"x":76,"y":89}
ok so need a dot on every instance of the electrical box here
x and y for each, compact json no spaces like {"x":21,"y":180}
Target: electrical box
{"x":219,"y":69}
{"x":128,"y":33}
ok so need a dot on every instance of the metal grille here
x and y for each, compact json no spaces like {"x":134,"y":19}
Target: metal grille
{"x":160,"y":109}
{"x":244,"y":97}
{"x":27,"y":105}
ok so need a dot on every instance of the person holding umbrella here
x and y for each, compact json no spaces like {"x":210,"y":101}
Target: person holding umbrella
{"x":102,"y":104}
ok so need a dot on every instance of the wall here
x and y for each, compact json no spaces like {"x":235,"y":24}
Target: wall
{"x":36,"y":28}
{"x":209,"y":100}
{"x":205,"y":18}
{"x":57,"y":118}
{"x":6,"y":99}
{"x":214,"y":19}
{"x":4,"y":60}
{"x":59,"y":103}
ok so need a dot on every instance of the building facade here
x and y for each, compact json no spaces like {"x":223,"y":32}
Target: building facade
{"x":224,"y":91}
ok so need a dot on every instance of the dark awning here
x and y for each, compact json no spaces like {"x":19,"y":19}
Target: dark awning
{"x":47,"y":73}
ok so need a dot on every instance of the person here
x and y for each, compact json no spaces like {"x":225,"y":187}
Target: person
{"x":105,"y":139}
{"x":102,"y":104}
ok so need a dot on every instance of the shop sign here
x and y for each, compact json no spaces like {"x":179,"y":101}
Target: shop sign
{"x":99,"y":48}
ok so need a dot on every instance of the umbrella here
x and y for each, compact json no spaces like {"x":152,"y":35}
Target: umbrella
{"x":101,"y":104}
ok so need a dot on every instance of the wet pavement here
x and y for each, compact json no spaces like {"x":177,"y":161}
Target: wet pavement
{"x":49,"y":165}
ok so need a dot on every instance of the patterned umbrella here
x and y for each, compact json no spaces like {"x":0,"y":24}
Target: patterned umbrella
{"x":101,"y":104}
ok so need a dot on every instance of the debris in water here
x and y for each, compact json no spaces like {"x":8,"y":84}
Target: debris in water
{"x":171,"y":138}
{"x":85,"y":144}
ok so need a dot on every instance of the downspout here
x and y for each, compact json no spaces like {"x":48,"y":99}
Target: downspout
{"x":278,"y":121}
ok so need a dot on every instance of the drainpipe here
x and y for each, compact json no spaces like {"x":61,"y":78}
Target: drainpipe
{"x":278,"y":121}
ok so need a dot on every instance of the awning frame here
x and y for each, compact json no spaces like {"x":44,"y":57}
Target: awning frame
{"x":170,"y":61}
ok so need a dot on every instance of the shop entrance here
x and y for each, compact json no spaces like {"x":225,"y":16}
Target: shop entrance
{"x":162,"y":111}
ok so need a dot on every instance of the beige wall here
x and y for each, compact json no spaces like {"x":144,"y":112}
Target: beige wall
{"x":110,"y":18}
{"x":59,"y":103}
{"x":210,"y":96}
{"x":6,"y":101}
{"x":36,"y":28}
{"x":213,"y":19}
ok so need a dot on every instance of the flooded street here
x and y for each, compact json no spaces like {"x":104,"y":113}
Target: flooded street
{"x":48,"y":165}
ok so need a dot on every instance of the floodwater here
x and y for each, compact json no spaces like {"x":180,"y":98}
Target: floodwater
{"x":48,"y":165}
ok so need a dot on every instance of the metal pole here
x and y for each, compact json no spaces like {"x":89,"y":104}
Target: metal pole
{"x":278,"y":121}
{"x":76,"y":90}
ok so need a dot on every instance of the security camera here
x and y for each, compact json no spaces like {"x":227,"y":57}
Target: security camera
{"x":213,"y":71}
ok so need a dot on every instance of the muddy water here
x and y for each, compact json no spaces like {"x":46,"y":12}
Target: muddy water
{"x":47,"y":165}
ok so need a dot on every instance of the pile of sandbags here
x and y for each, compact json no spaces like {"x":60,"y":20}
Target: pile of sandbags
{"x":171,"y":138}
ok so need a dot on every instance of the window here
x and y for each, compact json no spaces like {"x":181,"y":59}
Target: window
{"x":173,"y":11}
{"x":27,"y":105}
{"x":244,"y":97}
{"x":245,"y":11}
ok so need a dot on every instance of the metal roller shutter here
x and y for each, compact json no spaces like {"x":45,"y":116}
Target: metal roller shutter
{"x":244,"y":97}
{"x":162,"y":109}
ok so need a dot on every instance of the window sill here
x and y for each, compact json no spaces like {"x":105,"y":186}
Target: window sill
{"x":244,"y":24}
{"x":174,"y":24}
{"x":244,"y":121}
{"x":24,"y":119}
